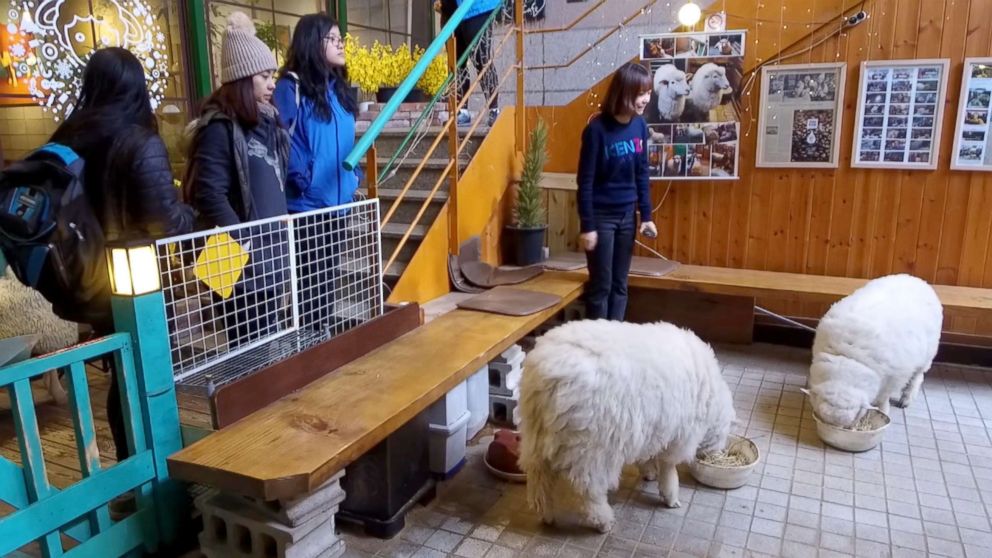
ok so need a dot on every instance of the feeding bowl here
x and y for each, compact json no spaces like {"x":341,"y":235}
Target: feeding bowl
{"x":732,"y":476}
{"x":849,"y":439}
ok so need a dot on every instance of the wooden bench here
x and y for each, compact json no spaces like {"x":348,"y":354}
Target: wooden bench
{"x":745,"y":285}
{"x":298,"y":445}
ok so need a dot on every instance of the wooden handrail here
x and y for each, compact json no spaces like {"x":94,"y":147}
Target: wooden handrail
{"x":444,"y":175}
{"x":437,"y":141}
{"x":575,"y":21}
{"x":599,"y":41}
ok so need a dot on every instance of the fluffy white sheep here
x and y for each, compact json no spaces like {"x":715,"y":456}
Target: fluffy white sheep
{"x":597,"y":395}
{"x":671,"y":87}
{"x":706,"y":91}
{"x":874,"y":345}
{"x":23,"y":311}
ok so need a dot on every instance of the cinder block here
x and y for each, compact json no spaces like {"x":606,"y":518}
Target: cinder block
{"x":510,"y":355}
{"x":503,"y":410}
{"x":504,"y":380}
{"x":303,"y":508}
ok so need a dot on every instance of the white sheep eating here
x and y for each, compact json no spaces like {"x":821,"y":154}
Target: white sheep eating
{"x":671,"y":88}
{"x":706,"y":91}
{"x":597,"y":395}
{"x":872,"y":346}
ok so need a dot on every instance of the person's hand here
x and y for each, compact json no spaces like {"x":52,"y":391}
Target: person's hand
{"x":589,"y":240}
{"x":437,"y":6}
{"x":649,"y":230}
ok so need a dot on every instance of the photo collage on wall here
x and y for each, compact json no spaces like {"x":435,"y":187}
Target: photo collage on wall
{"x":692,"y":117}
{"x":973,"y":137}
{"x":899,"y":114}
{"x":801,"y":115}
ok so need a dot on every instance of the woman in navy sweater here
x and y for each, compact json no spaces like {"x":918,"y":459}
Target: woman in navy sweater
{"x":613,"y":187}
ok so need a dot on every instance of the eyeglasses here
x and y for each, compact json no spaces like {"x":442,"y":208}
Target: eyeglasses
{"x":334,"y":40}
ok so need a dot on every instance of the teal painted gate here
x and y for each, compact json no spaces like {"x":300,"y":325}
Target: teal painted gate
{"x":80,"y":511}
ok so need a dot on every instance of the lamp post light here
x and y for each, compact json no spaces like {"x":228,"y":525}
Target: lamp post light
{"x":138,"y":305}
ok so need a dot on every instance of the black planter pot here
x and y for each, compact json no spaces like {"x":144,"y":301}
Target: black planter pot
{"x":386,"y":93}
{"x":528,"y":245}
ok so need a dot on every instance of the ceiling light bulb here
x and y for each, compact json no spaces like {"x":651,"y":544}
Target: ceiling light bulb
{"x":689,"y":14}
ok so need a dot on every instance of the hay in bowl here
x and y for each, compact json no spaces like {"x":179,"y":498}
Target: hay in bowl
{"x":727,"y":469}
{"x":863,"y":435}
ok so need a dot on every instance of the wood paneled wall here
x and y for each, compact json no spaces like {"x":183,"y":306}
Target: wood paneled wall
{"x":844,"y":222}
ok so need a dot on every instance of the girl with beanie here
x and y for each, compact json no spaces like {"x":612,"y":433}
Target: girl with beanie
{"x":315,"y":104}
{"x":237,"y":173}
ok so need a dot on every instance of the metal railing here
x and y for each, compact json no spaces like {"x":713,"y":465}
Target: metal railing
{"x":300,"y":279}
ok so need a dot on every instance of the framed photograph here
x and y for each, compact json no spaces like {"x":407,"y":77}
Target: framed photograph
{"x":694,"y":138}
{"x":972,"y":134}
{"x":801,"y":112}
{"x":900,"y":110}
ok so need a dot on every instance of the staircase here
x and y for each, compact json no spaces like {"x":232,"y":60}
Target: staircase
{"x":388,"y":142}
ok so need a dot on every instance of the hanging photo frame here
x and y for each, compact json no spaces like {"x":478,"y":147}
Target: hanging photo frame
{"x":801,"y":114}
{"x":900,"y":110}
{"x":972,"y":132}
{"x":693,"y":119}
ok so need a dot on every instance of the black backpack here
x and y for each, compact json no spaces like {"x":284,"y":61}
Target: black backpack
{"x":51,"y":236}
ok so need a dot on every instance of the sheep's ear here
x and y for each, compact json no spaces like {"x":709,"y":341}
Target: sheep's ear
{"x":805,"y":391}
{"x":873,"y":408}
{"x":688,"y":76}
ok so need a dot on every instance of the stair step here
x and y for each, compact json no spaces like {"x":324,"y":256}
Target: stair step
{"x":389,"y":142}
{"x":397,"y":230}
{"x":411,"y":195}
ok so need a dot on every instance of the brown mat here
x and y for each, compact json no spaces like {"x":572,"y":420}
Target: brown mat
{"x":565,"y":261}
{"x":458,"y":279}
{"x":481,"y":274}
{"x":510,"y":302}
{"x":653,"y":267}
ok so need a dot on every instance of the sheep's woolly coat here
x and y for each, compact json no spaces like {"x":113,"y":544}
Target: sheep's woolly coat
{"x":707,"y":88}
{"x":872,"y":345}
{"x":671,"y":87}
{"x":597,"y":395}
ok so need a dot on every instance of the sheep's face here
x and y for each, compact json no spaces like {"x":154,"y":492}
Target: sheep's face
{"x":838,"y":404}
{"x":713,"y":77}
{"x":670,"y":82}
{"x":722,"y":417}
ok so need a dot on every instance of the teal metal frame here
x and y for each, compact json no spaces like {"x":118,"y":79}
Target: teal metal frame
{"x":43,"y":513}
{"x":368,"y":138}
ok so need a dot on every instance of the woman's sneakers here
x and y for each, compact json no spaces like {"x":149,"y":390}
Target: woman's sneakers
{"x":493,"y":115}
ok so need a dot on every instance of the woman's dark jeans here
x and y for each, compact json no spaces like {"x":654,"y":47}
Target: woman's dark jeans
{"x":609,"y":265}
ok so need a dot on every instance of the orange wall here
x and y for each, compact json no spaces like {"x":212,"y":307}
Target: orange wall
{"x":481,"y":190}
{"x":845,"y":222}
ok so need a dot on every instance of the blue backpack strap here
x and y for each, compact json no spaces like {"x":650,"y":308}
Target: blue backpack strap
{"x":63,"y":152}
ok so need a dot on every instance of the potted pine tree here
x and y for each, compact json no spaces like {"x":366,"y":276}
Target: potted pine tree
{"x":527,"y":230}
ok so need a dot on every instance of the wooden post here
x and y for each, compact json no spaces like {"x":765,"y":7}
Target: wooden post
{"x":372,"y":172}
{"x":453,"y":148}
{"x":521,"y":117}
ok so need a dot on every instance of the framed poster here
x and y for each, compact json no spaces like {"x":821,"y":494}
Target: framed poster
{"x":972,"y":133}
{"x":900,"y":108}
{"x":692,"y":116}
{"x":801,"y":113}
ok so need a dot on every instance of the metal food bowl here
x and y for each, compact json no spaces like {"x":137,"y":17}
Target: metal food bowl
{"x":854,"y":440}
{"x":727,"y":477}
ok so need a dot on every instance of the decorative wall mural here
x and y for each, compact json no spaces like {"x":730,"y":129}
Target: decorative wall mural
{"x":48,"y":42}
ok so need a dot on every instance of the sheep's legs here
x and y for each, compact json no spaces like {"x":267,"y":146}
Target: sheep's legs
{"x":668,"y":484}
{"x":648,"y":470}
{"x":911,"y":389}
{"x":54,"y":387}
{"x":597,"y":510}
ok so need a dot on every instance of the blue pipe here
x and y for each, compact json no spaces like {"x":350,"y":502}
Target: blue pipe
{"x":368,"y":138}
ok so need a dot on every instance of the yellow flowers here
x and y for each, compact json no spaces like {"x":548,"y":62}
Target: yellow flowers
{"x":383,"y":66}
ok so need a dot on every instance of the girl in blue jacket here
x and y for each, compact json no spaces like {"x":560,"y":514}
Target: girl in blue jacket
{"x":317,"y":107}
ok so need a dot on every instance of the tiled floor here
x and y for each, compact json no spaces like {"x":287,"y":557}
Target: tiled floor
{"x":927,"y":490}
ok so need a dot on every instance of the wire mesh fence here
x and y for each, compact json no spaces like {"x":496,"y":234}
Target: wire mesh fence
{"x":240,"y":298}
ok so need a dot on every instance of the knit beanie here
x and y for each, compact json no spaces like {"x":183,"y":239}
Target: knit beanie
{"x":242,"y":54}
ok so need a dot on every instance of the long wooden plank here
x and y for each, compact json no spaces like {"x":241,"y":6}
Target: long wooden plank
{"x":964,"y":301}
{"x":294,"y":445}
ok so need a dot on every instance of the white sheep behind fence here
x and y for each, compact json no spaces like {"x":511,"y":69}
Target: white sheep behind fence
{"x":872,"y":346}
{"x":597,"y":395}
{"x":23,"y":311}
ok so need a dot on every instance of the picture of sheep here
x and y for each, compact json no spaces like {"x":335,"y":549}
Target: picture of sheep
{"x":812,"y":136}
{"x":653,"y":48}
{"x":895,"y":157}
{"x":981,"y":71}
{"x":670,"y":90}
{"x":598,"y":395}
{"x":708,"y":86}
{"x":878,"y":86}
{"x":897,"y":122}
{"x":725,"y":45}
{"x":976,"y":117}
{"x":872,"y":346}
{"x":970,"y":153}
{"x":869,"y":156}
{"x":676,"y":160}
{"x":979,"y":98}
{"x":919,"y":157}
{"x":700,"y":160}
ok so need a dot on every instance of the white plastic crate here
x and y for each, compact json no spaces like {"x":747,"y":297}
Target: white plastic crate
{"x":478,"y":401}
{"x":450,"y":409}
{"x":447,"y":445}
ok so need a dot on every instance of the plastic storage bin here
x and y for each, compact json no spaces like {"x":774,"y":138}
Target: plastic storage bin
{"x":478,"y":402}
